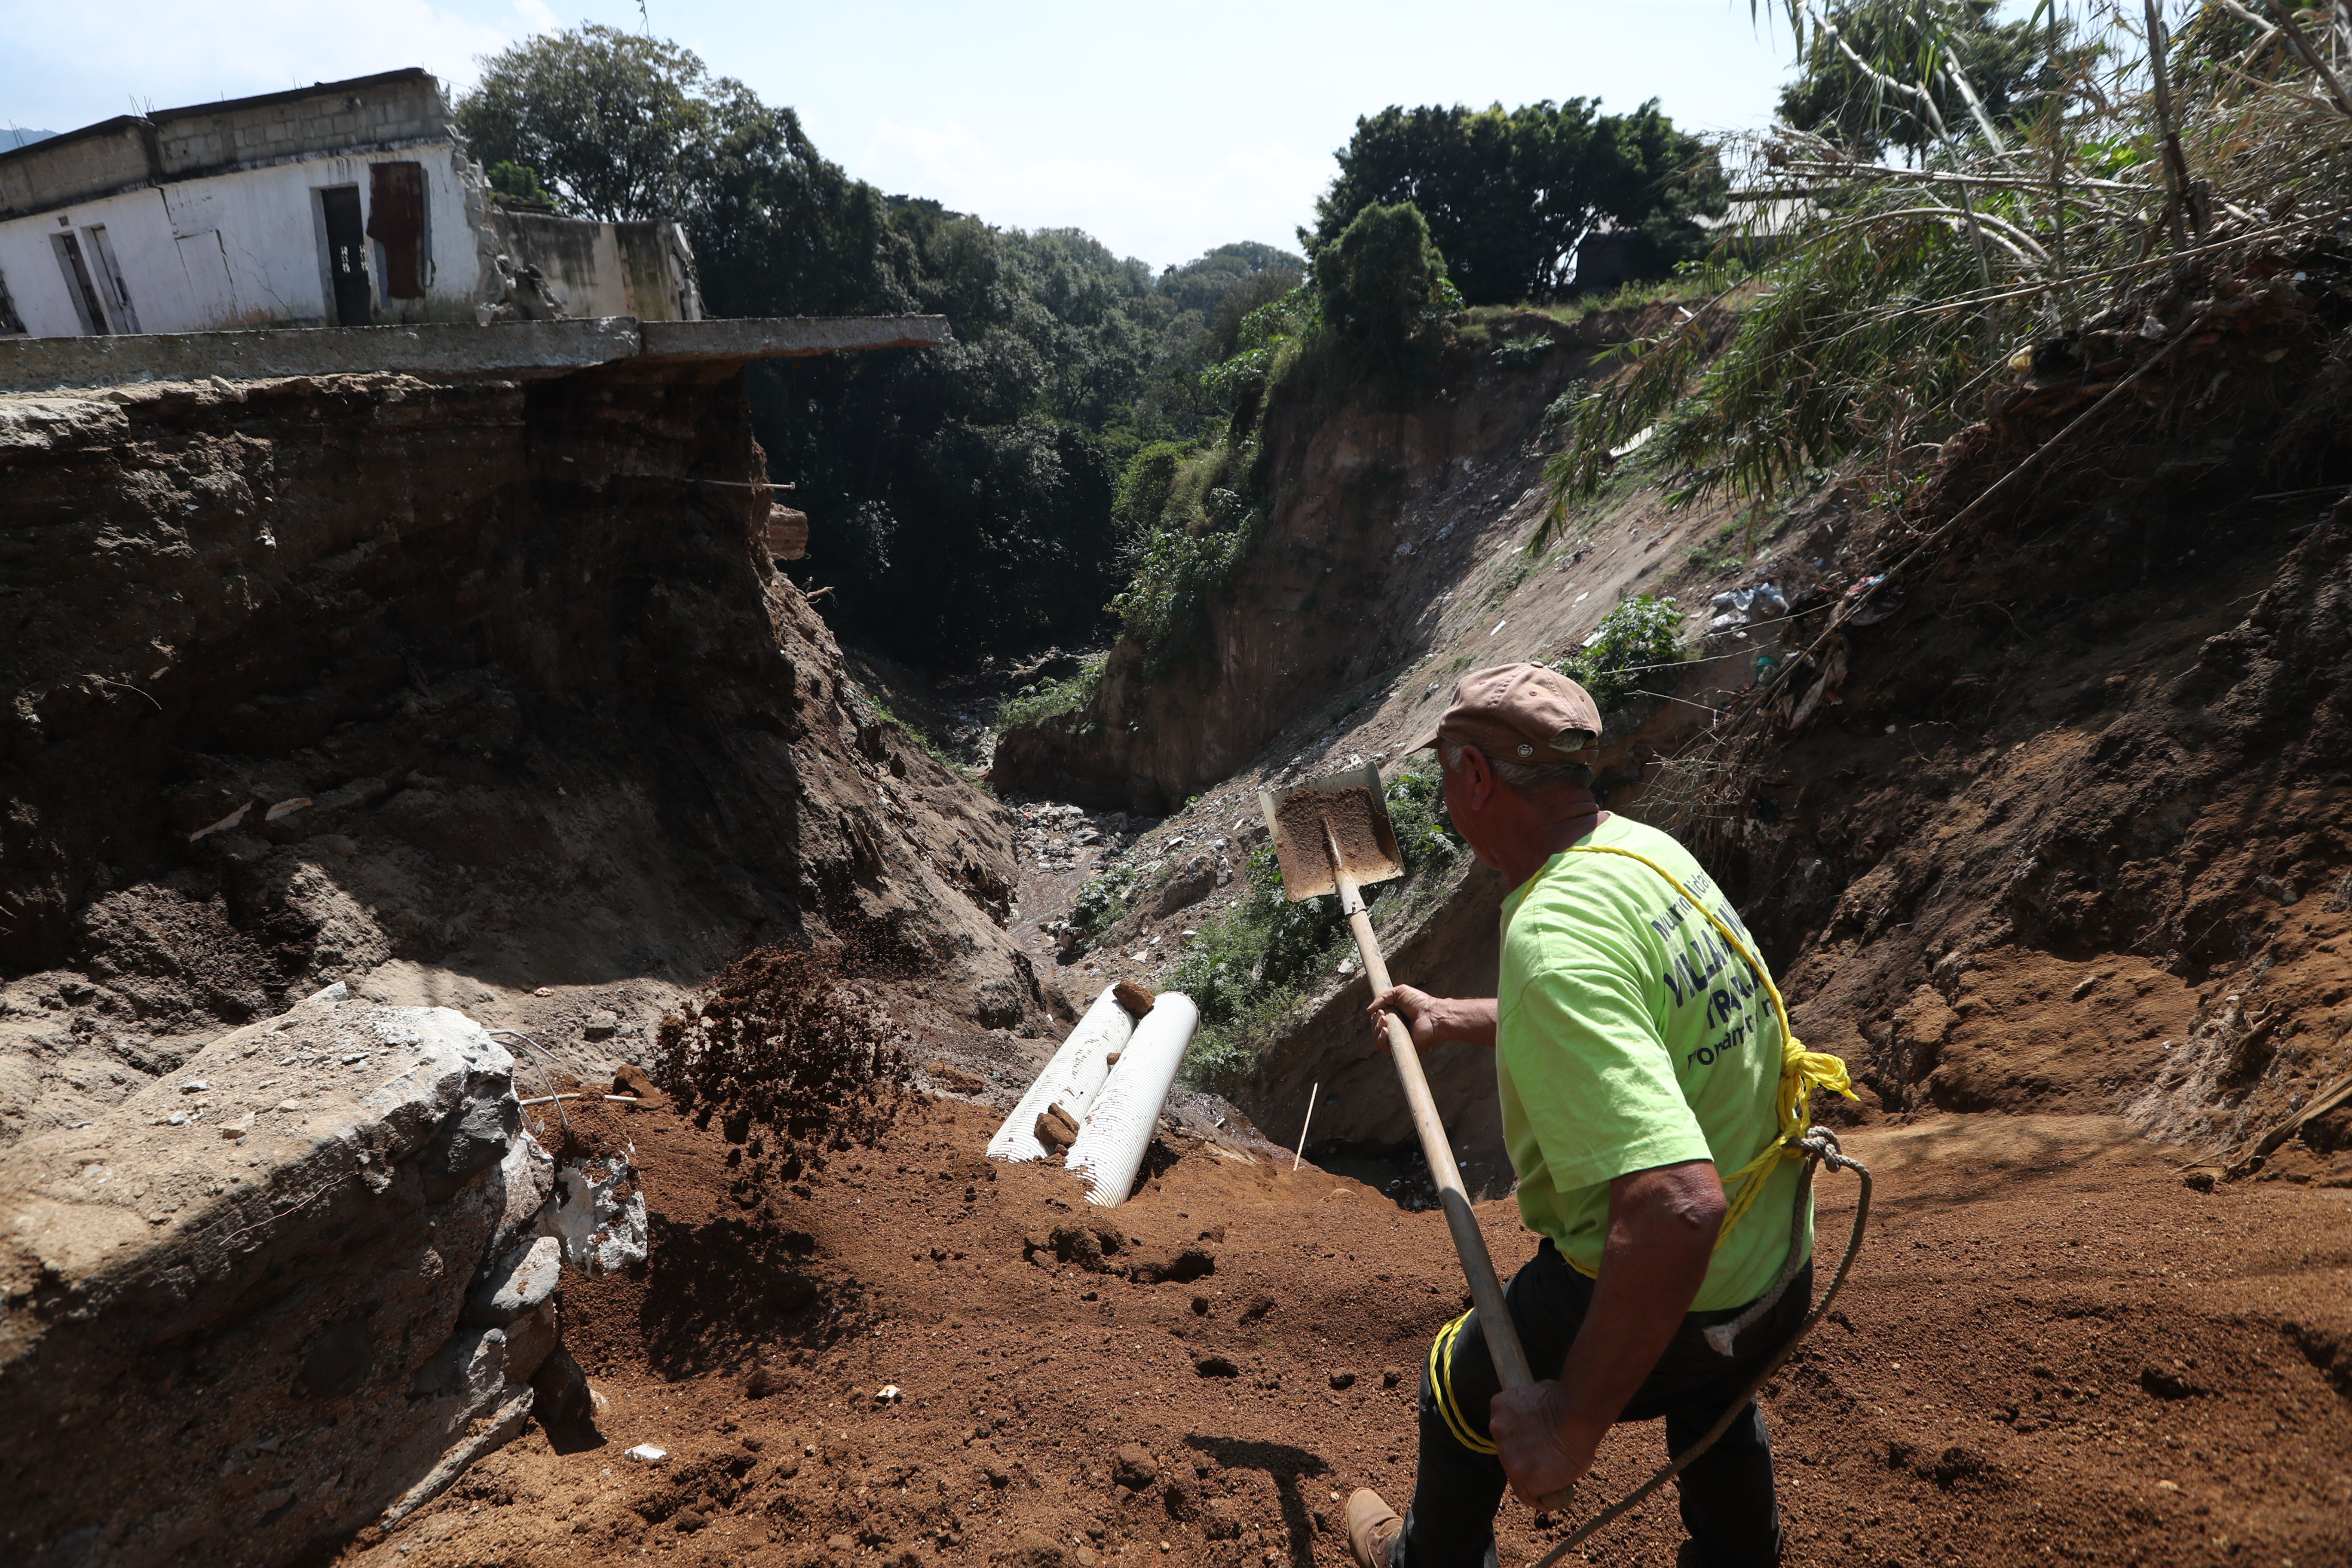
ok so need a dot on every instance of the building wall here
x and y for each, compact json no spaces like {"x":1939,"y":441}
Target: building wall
{"x":212,"y":219}
{"x":641,"y":269}
{"x":246,"y":249}
{"x":112,"y":155}
{"x":398,"y":109}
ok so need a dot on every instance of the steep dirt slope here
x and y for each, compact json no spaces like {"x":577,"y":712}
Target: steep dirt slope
{"x":2061,"y":825}
{"x":2052,"y":1351}
{"x":2073,"y":838}
{"x":478,"y":694}
{"x":1381,"y":514}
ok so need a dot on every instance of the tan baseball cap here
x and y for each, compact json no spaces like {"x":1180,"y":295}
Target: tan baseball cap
{"x":1521,"y":713}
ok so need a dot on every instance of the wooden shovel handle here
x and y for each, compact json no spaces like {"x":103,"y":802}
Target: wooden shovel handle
{"x":1469,"y":1241}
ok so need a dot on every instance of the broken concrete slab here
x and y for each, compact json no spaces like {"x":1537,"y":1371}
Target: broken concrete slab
{"x":264,"y":1328}
{"x":599,"y":1215}
{"x":505,"y":350}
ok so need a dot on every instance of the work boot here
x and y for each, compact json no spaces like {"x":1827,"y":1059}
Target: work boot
{"x":1372,"y":1527}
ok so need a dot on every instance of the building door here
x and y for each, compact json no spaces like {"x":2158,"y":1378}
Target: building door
{"x":111,"y":288}
{"x":79,"y":287}
{"x":346,"y":255}
{"x":396,"y":222}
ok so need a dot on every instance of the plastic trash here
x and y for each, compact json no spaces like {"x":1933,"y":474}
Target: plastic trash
{"x":1870,"y":601}
{"x":1739,"y":606}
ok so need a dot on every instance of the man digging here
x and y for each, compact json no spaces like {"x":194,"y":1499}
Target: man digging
{"x":1638,"y":1059}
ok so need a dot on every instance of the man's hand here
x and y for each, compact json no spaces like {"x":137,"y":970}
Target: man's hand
{"x":1543,"y":1446}
{"x":1434,"y":1018}
{"x":1661,"y":1228}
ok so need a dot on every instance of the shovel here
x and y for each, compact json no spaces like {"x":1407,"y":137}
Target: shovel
{"x":1333,"y":836}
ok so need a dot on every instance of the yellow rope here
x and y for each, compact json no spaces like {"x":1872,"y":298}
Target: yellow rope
{"x":1800,"y":1069}
{"x":1441,"y":1382}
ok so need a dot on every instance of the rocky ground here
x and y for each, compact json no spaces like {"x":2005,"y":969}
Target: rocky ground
{"x":2051,"y":1349}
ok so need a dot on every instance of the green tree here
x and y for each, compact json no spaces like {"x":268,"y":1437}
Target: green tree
{"x":779,"y":230}
{"x":1509,"y":194}
{"x":1916,"y":43}
{"x":959,"y":498}
{"x":1206,"y":283}
{"x":612,"y":121}
{"x":1212,"y":294}
{"x":521,"y":183}
{"x":1381,"y":278}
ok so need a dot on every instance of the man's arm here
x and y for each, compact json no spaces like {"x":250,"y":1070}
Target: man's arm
{"x":1661,"y":1228}
{"x":1434,"y":1018}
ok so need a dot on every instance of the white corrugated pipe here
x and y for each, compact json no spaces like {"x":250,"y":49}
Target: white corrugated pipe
{"x":1118,"y":1129}
{"x":1070,"y":1080}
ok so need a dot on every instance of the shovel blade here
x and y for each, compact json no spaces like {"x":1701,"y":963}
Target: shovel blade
{"x":1355,"y":803}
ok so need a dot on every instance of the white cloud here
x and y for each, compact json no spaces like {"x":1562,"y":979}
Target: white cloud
{"x":1164,"y":214}
{"x":61,"y":72}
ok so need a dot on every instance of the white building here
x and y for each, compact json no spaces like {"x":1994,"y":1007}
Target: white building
{"x":346,"y":203}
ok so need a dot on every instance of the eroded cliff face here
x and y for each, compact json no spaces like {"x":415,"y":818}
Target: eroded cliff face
{"x":1376,"y":512}
{"x":2058,"y":825}
{"x":448,"y":691}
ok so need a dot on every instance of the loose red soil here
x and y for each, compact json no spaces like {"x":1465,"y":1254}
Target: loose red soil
{"x":2052,"y":1349}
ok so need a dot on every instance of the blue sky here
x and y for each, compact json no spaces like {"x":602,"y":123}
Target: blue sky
{"x":1162,"y":130}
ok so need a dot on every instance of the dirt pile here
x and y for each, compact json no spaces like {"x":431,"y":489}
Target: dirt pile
{"x":2053,"y":1350}
{"x":780,"y":1051}
{"x":478,"y":694}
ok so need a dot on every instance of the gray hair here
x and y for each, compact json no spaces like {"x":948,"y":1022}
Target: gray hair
{"x":1523,"y":778}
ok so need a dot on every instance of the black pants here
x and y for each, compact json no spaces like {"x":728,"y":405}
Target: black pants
{"x":1728,"y":1502}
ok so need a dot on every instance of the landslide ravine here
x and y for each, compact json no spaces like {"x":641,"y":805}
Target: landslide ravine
{"x":2054,"y":1350}
{"x":2064,"y":829}
{"x":1383,"y":513}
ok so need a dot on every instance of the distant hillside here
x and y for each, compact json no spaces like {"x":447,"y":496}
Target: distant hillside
{"x":13,"y":137}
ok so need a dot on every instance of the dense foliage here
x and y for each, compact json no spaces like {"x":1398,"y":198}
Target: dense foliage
{"x":1634,"y":646}
{"x":1508,"y":194}
{"x":960,"y":498}
{"x":620,"y":126}
{"x":1896,"y":292}
{"x":521,"y":183}
{"x":1850,"y":82}
{"x":1048,"y":698}
{"x":1380,"y":279}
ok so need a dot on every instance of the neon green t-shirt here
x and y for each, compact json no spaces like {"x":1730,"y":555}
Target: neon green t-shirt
{"x":1630,"y":1036}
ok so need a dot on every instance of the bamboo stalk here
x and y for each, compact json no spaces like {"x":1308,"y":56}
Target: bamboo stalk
{"x":2294,"y":32}
{"x":2057,"y":161}
{"x":2175,"y":162}
{"x":1933,"y":177}
{"x":2128,"y":268}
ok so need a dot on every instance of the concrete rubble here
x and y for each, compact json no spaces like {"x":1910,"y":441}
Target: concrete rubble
{"x":299,"y":1285}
